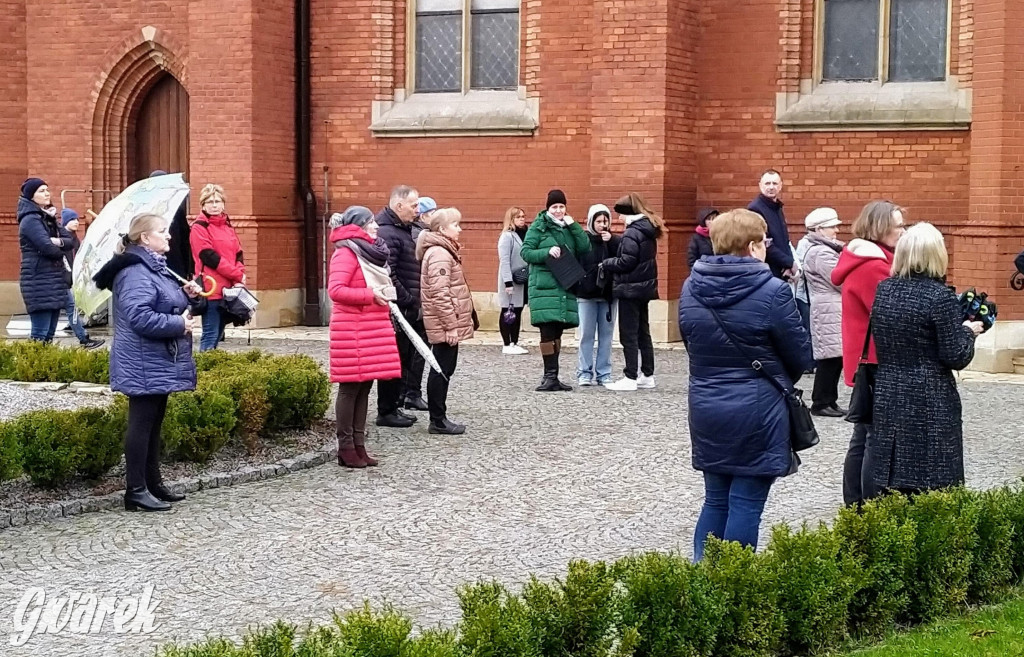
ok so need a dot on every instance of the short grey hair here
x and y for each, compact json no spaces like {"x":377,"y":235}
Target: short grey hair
{"x":922,"y":251}
{"x":401,"y":193}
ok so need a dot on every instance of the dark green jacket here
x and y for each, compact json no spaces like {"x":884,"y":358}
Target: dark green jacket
{"x":549,"y":302}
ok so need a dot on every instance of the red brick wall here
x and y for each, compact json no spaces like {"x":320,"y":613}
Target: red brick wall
{"x":13,"y":126}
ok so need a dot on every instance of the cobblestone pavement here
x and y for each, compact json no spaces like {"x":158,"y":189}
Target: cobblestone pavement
{"x":538,"y":480}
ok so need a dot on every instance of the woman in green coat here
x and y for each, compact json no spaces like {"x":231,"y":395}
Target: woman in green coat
{"x":552,"y":308}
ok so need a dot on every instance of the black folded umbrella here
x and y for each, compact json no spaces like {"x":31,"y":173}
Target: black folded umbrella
{"x":566,"y":269}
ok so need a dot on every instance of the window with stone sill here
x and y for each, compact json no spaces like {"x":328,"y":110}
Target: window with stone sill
{"x":443,"y":62}
{"x":883,"y":40}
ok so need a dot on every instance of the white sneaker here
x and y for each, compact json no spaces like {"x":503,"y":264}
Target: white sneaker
{"x":646,"y":382}
{"x":519,"y":351}
{"x":622,"y":385}
{"x":585,"y":381}
{"x":509,"y":350}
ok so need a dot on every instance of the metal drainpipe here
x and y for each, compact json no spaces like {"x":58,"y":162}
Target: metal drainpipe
{"x":303,"y":181}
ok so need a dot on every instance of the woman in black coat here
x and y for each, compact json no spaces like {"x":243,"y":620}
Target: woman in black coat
{"x":634,"y":284}
{"x":700,"y":243}
{"x":921,"y":337}
{"x":45,"y":266}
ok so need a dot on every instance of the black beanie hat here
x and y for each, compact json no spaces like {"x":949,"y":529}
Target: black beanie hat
{"x":30,"y":187}
{"x":555,"y":196}
{"x":625,"y":206}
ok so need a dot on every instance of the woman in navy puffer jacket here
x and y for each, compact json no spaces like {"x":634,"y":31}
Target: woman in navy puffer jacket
{"x":45,"y":273}
{"x":739,"y":422}
{"x":151,"y":354}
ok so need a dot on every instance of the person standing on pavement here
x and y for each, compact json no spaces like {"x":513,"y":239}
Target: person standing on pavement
{"x":179,"y":258}
{"x":596,"y":304}
{"x":733,"y":311}
{"x":768,"y":204}
{"x":397,"y":226}
{"x":864,"y":263}
{"x":553,"y":234}
{"x":825,"y":303}
{"x":700,"y":242}
{"x":363,"y":346}
{"x":151,"y":353}
{"x":216,"y":252}
{"x":510,"y":266}
{"x":634,"y":285}
{"x":45,"y":270}
{"x":69,"y":222}
{"x":448,"y":314}
{"x":921,"y":338}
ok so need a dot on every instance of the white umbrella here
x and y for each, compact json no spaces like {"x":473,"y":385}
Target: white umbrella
{"x":415,"y":339}
{"x":161,"y":195}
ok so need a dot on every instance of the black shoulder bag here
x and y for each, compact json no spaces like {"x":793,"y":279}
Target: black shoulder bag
{"x":802,"y":433}
{"x":862,"y":400}
{"x":520,"y":276}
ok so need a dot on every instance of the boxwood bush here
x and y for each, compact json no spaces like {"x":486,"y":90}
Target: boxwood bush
{"x":804,"y":594}
{"x":250,"y":395}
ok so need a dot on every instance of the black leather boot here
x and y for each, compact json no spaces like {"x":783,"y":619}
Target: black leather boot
{"x":140,"y":499}
{"x":558,"y":350}
{"x":160,"y":492}
{"x":550,"y":381}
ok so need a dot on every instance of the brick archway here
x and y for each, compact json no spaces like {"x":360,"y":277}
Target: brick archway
{"x":133,"y":67}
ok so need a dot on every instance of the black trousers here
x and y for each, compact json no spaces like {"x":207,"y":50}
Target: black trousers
{"x":635,"y":336}
{"x":510,"y":332}
{"x":826,"y":383}
{"x":437,"y":386}
{"x":392,"y":393}
{"x":142,"y":443}
{"x":858,"y":485}
{"x":350,"y":411}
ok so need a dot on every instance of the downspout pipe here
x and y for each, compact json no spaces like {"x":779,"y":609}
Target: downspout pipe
{"x":303,"y":179}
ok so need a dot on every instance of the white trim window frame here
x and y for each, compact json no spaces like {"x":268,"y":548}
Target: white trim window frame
{"x":449,"y":54}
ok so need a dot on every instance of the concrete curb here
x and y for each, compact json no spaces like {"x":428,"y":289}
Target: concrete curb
{"x":67,"y":508}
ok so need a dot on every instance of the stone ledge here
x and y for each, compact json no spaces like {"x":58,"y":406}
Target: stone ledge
{"x":477,"y":113}
{"x":39,"y":513}
{"x":832,"y":106}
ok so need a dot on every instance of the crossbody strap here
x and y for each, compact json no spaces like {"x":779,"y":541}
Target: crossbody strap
{"x":867,"y":341}
{"x":754,"y":363}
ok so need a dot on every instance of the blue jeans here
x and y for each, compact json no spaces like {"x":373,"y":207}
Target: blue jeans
{"x":213,"y":323}
{"x":594,"y":314}
{"x":44,"y":324}
{"x":732,"y":510}
{"x":74,"y":319}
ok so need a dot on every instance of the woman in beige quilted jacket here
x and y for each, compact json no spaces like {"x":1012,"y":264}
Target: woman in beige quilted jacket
{"x":448,"y":313}
{"x":826,"y":303}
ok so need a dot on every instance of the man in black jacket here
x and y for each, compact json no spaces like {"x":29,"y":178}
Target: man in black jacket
{"x":768,"y":205}
{"x":398,"y":227}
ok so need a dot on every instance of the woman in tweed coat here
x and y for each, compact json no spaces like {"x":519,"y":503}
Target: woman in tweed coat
{"x":921,"y":337}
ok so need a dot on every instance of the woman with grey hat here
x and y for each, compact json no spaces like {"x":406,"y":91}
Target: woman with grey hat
{"x":826,"y":309}
{"x":363,"y":347}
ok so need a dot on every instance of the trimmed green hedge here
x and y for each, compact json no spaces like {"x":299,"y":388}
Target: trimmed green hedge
{"x":249,"y":395}
{"x":896,"y":563}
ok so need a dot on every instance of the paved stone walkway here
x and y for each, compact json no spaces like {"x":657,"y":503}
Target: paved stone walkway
{"x":539,"y":479}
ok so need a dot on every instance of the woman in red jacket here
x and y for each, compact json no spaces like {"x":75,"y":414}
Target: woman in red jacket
{"x":363,"y":346}
{"x":217,"y":253}
{"x":864,"y":263}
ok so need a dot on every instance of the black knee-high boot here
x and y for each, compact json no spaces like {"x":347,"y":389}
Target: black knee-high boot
{"x":550,"y":381}
{"x":558,"y":351}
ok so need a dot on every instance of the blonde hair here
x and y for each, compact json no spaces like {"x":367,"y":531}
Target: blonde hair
{"x":139,"y":226}
{"x":209,"y":191}
{"x":733,"y":231}
{"x":875,"y":220}
{"x":922,"y":251}
{"x":443,"y":218}
{"x":510,"y":218}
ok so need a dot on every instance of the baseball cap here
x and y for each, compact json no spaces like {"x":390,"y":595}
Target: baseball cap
{"x":427,"y":204}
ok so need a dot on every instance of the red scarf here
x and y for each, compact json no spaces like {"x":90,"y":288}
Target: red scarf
{"x":704,"y":230}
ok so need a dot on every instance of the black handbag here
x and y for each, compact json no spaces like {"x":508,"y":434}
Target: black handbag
{"x":862,"y":400}
{"x":802,"y":432}
{"x":520,"y":276}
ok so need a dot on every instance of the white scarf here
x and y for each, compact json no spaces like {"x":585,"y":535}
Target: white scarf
{"x":557,"y":222}
{"x":377,"y":278}
{"x":630,"y":218}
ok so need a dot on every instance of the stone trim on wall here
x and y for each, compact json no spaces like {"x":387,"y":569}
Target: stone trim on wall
{"x":475,"y":113}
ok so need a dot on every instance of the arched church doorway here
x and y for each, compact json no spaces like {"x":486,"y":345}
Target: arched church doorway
{"x":159,"y":139}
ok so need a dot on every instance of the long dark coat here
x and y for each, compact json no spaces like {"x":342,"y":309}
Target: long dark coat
{"x":918,"y":328}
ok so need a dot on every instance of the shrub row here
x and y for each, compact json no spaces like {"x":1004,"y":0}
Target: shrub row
{"x":896,"y":563}
{"x":250,"y":396}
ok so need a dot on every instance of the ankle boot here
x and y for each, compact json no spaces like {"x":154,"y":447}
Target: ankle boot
{"x":349,"y":458}
{"x":367,"y":459}
{"x":558,"y":351}
{"x":140,"y":499}
{"x":161,"y":492}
